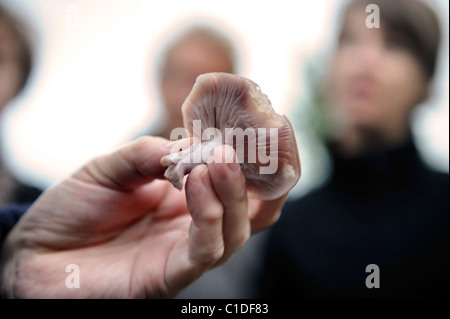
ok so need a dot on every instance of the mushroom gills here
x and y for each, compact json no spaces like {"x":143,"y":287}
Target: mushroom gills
{"x":233,"y":110}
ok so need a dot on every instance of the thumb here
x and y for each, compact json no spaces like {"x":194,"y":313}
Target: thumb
{"x":134,"y":164}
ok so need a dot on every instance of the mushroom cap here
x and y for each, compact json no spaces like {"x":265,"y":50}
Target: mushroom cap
{"x":267,"y":150}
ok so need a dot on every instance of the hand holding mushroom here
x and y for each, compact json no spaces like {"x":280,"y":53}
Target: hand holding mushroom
{"x":130,"y":233}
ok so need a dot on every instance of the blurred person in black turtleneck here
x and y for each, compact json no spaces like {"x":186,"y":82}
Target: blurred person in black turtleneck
{"x":381,"y":205}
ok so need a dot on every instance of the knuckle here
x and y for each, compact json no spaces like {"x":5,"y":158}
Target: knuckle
{"x":141,"y":143}
{"x":211,"y":217}
{"x":210,"y":256}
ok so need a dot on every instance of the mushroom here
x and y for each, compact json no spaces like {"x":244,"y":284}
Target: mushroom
{"x":229,"y":109}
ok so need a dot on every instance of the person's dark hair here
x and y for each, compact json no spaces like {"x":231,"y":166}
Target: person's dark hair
{"x":19,"y":30}
{"x":411,"y":24}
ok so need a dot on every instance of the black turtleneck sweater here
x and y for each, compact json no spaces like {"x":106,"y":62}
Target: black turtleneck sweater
{"x":385,"y":208}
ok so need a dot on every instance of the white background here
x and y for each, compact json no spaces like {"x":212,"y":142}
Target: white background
{"x":93,"y":86}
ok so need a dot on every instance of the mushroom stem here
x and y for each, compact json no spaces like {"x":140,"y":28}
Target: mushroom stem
{"x":181,"y":163}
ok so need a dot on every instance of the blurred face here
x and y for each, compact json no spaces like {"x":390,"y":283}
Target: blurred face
{"x":184,"y":64}
{"x":10,"y":70}
{"x":375,"y":80}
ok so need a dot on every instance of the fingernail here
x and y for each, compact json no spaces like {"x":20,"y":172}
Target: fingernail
{"x":178,"y":145}
{"x":169,"y":144}
{"x":205,"y":178}
{"x":234,"y":167}
{"x":231,"y":161}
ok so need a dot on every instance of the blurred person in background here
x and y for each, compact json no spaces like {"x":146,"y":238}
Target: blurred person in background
{"x":15,"y":67}
{"x":200,"y":49}
{"x":381,"y":205}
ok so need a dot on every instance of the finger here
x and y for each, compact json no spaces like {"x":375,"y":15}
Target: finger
{"x":134,"y":164}
{"x":192,"y":256}
{"x":206,"y":244}
{"x":229,"y":185}
{"x":264,"y":214}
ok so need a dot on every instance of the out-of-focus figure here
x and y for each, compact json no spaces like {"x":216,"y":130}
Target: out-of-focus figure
{"x":199,"y":50}
{"x":15,"y":66}
{"x":379,"y":226}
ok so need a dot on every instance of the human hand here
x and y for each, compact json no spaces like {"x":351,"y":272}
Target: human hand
{"x":131,"y":234}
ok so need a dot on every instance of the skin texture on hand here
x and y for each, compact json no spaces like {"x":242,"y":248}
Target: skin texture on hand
{"x":132,"y":234}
